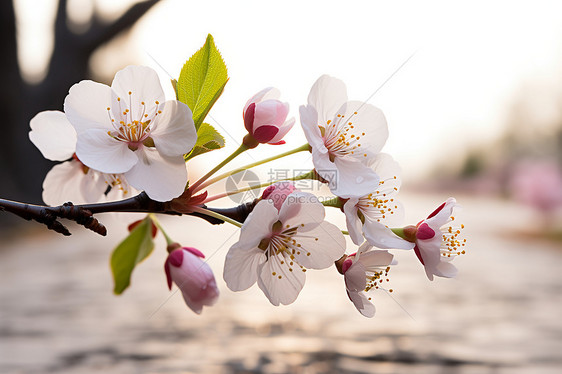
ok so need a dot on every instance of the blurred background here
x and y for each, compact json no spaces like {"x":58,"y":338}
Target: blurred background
{"x":476,"y":113}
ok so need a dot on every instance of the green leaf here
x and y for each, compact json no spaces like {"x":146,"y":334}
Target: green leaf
{"x":135,"y":248}
{"x":208,"y":139}
{"x":202,"y":80}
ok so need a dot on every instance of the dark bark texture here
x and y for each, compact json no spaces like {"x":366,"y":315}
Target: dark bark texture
{"x":21,"y":164}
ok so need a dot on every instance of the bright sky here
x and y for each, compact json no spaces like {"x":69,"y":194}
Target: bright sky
{"x":455,"y":91}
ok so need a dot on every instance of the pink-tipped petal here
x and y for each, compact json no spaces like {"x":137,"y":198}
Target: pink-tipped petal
{"x":176,"y":258}
{"x":264,"y":134}
{"x":249,"y":117}
{"x":168,"y":274}
{"x":425,"y":232}
{"x":283,"y":130}
{"x":195,"y":251}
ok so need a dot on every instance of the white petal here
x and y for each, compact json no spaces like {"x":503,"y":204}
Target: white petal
{"x":362,"y":303}
{"x":162,"y":178}
{"x":353,"y":178}
{"x":86,"y":106}
{"x":283,"y":130}
{"x":375,"y":258}
{"x":144,"y":85}
{"x":279,"y":284}
{"x":353,"y":223}
{"x":325,"y":243}
{"x":302,"y":209}
{"x":241,"y":267}
{"x":382,"y":237}
{"x":258,"y":224}
{"x":355,"y":278}
{"x":99,"y":151}
{"x":445,"y":269}
{"x":431,"y":254}
{"x":371,"y":121}
{"x":53,"y":135}
{"x":174,"y":133}
{"x":365,"y":247}
{"x":324,"y":167}
{"x":93,"y":186}
{"x":443,"y":216}
{"x":387,"y":168}
{"x":327,"y":95}
{"x":62,"y":183}
{"x":265,"y":94}
{"x":309,"y":122}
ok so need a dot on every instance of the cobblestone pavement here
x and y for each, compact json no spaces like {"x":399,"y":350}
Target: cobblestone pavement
{"x":501,"y":315}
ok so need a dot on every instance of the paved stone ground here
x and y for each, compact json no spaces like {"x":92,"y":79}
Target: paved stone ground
{"x":501,"y":315}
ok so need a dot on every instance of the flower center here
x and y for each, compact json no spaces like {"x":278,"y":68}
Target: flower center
{"x":111,"y":180}
{"x":341,"y":137}
{"x":130,"y":127}
{"x":379,"y":204}
{"x":375,"y":278}
{"x":281,"y":243}
{"x":115,"y":181}
{"x":452,"y":243}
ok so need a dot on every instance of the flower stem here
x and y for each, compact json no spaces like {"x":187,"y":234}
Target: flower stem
{"x":216,"y":215}
{"x":159,"y":225}
{"x":304,"y":147}
{"x":196,"y":186}
{"x":310,"y":175}
{"x":398,"y":231}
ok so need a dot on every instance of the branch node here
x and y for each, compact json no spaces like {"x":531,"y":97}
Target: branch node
{"x":82,"y":217}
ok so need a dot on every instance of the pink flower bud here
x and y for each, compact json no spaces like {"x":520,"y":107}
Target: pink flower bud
{"x":278,"y":193}
{"x":193,"y":277}
{"x":264,"y":117}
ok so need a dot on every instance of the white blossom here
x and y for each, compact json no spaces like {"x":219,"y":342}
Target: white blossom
{"x":276,"y":247}
{"x":344,"y":136}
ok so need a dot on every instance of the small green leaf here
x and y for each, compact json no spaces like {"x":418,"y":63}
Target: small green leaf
{"x":135,"y":248}
{"x":208,"y":139}
{"x":202,"y":80}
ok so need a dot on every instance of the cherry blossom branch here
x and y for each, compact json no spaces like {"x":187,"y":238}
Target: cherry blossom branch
{"x":304,"y":147}
{"x":49,"y":215}
{"x":217,"y":216}
{"x":83,"y":214}
{"x":196,"y":186}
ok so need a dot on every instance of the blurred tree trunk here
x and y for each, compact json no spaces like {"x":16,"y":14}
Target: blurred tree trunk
{"x":22,"y":166}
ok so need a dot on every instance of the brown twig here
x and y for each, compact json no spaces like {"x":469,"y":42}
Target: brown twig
{"x":83,"y":214}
